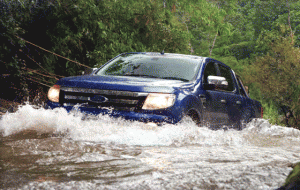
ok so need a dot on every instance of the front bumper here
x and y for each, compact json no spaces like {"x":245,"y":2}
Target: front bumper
{"x":128,"y":115}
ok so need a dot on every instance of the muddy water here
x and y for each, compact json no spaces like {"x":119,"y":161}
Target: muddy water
{"x":51,"y":149}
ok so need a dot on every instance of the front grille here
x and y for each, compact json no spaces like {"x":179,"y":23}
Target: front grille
{"x":96,"y":98}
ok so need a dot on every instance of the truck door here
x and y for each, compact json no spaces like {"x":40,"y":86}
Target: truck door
{"x":214,"y":102}
{"x":233,"y":100}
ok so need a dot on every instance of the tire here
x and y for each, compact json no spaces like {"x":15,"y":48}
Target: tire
{"x":194,"y":117}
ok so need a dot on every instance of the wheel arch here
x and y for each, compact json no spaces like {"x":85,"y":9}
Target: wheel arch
{"x":193,"y":108}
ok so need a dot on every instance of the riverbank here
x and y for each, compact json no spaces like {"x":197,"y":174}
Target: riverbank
{"x":293,"y":180}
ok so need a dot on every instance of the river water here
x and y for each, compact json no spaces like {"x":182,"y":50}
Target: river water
{"x":51,"y":149}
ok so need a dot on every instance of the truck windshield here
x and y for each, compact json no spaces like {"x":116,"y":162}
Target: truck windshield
{"x":153,"y":66}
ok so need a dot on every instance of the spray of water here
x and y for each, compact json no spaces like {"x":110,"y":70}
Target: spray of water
{"x":102,"y":128}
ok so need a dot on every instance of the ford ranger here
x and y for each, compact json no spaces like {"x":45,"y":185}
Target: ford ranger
{"x":159,"y":88}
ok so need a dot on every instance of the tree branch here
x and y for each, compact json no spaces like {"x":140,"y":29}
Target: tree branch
{"x":289,"y":21}
{"x":210,"y":51}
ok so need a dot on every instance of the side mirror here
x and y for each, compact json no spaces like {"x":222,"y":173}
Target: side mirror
{"x":216,"y":83}
{"x":88,"y":71}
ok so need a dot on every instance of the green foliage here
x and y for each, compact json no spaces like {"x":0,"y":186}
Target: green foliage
{"x":148,"y":27}
{"x":294,"y":176}
{"x":205,"y":22}
{"x":271,"y":112}
{"x":278,"y":77}
{"x":89,"y":32}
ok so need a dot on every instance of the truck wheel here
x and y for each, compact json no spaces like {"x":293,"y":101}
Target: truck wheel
{"x":194,"y":116}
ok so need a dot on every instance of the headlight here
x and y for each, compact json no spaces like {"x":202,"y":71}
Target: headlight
{"x":158,"y":101}
{"x":53,"y":93}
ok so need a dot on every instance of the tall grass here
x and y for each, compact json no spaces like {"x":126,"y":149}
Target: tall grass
{"x":273,"y":113}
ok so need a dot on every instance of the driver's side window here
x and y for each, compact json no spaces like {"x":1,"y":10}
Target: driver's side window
{"x":210,"y":70}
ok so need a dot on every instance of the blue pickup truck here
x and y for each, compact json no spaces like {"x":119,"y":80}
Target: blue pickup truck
{"x":159,"y":88}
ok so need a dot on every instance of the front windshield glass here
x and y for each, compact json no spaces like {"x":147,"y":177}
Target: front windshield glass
{"x":151,"y":66}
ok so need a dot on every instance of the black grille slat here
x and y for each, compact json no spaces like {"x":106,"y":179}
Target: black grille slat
{"x":118,"y":100}
{"x":104,"y":92}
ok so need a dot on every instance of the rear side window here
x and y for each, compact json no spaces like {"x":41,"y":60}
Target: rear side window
{"x":241,"y":87}
{"x":225,"y":72}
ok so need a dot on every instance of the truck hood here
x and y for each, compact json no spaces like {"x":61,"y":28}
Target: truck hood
{"x":124,"y":83}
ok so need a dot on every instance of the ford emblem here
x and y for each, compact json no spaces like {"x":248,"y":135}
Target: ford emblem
{"x":98,"y":99}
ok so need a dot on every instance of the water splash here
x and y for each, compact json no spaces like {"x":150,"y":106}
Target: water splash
{"x":105,"y":129}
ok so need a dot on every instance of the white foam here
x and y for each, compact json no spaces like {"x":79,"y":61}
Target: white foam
{"x":106,"y":129}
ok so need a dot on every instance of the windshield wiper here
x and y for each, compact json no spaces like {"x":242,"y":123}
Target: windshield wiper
{"x":139,"y":75}
{"x":176,"y":78}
